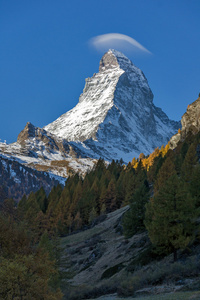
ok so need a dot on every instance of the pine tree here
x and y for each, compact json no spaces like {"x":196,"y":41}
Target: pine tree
{"x":42,"y":199}
{"x":189,"y":163}
{"x":93,"y":215}
{"x":95,"y":191}
{"x":130,"y":186}
{"x":46,"y":245}
{"x":110,"y":197}
{"x":77,"y":221}
{"x":170,"y":217}
{"x":133,"y":220}
{"x":22,"y":205}
{"x":166,"y":171}
{"x":53,"y":202}
{"x":32,"y":209}
{"x":194,"y":185}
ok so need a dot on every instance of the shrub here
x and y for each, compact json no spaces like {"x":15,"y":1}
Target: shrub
{"x":158,"y":273}
{"x":112,"y":271}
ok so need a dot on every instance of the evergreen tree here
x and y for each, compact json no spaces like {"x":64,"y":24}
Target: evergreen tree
{"x":110,"y":198}
{"x":133,"y":220}
{"x":53,"y":203}
{"x":32,"y":209}
{"x":130,"y":186}
{"x":93,"y":215}
{"x":103,"y":209}
{"x":100,"y":168}
{"x":95,"y":191}
{"x":170,"y":217}
{"x":42,"y":199}
{"x":77,"y":221}
{"x":189,"y":163}
{"x":166,"y":171}
{"x":22,"y":205}
{"x":46,"y":245}
{"x":194,"y":185}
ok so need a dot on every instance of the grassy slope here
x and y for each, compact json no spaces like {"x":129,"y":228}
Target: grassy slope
{"x":101,"y":261}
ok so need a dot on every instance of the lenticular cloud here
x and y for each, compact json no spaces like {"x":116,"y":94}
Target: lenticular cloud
{"x":117,"y":41}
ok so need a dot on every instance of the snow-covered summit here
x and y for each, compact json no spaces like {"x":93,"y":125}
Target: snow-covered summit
{"x":115,"y":59}
{"x":83,"y":120}
{"x":115,"y":116}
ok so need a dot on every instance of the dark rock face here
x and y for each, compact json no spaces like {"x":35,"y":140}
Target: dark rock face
{"x":190,"y":123}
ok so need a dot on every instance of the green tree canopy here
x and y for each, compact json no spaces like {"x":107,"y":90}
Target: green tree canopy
{"x":170,"y":217}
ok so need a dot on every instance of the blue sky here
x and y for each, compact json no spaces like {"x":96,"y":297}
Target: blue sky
{"x":45,"y":54}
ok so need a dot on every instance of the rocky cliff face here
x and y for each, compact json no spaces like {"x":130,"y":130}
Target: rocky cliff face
{"x":190,"y":122}
{"x":115,"y":116}
{"x":39,"y":139}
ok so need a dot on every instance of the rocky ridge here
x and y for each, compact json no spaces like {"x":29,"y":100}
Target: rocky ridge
{"x":190,"y":122}
{"x":41,"y":150}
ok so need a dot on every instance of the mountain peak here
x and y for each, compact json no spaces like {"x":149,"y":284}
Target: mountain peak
{"x":115,"y":116}
{"x":108,"y":61}
{"x":113,"y":59}
{"x":28,"y":131}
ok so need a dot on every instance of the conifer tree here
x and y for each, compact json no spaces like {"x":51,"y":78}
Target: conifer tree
{"x":53,"y":201}
{"x":100,"y":168}
{"x":170,"y":217}
{"x":77,"y":221}
{"x":22,"y":205}
{"x":85,"y":205}
{"x":133,"y":220}
{"x":46,"y":245}
{"x":110,"y":197}
{"x":32,"y":209}
{"x":103,"y":209}
{"x":167,"y":170}
{"x":130,"y":186}
{"x":194,"y":185}
{"x":95,"y":191}
{"x":189,"y":163}
{"x":42,"y":199}
{"x":93,"y":215}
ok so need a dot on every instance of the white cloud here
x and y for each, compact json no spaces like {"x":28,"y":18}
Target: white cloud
{"x":117,"y":41}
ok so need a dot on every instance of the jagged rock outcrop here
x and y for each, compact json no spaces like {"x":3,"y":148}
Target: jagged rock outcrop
{"x":115,"y":116}
{"x":190,"y":122}
{"x":41,"y":139}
